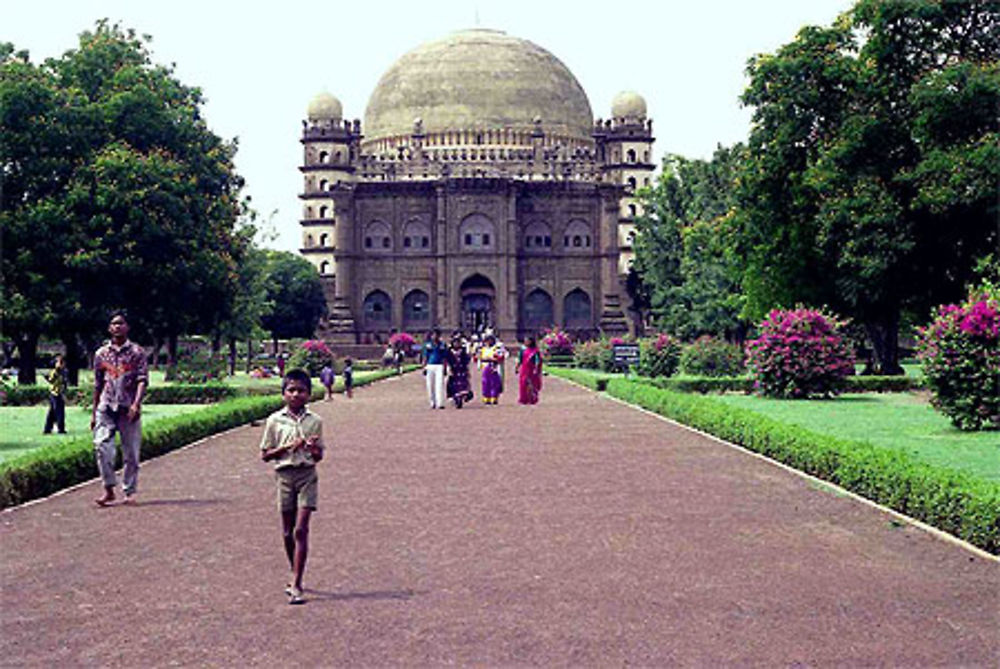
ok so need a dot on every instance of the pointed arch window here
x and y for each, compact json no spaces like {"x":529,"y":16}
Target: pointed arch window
{"x":577,"y":237}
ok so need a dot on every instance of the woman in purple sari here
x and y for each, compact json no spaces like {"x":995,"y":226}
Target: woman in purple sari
{"x":491,"y":358}
{"x":529,"y":372}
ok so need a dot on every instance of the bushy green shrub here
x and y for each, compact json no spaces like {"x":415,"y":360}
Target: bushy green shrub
{"x":589,"y":354}
{"x":800,"y":353}
{"x":658,"y":356}
{"x":198,"y":365}
{"x":960,"y":353}
{"x":311,"y":355}
{"x":708,"y":356}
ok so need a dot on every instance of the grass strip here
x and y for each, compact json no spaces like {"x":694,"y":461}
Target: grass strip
{"x":951,"y":501}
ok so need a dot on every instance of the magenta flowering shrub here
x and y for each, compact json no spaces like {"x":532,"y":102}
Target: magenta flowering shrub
{"x":556,"y":342}
{"x":799,"y":353}
{"x":659,"y":355}
{"x":403,"y":341}
{"x":960,"y":354}
{"x":311,"y":355}
{"x":708,"y":356}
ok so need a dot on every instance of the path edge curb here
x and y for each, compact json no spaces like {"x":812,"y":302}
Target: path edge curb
{"x":930,"y":529}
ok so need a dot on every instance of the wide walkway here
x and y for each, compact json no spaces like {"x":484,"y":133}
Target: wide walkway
{"x":577,"y":532}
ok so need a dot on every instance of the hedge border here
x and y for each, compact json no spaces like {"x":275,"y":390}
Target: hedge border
{"x":171,"y":393}
{"x":45,"y":470}
{"x":951,"y":501}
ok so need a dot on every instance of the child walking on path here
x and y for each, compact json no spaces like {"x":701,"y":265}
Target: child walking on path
{"x":293,"y":439}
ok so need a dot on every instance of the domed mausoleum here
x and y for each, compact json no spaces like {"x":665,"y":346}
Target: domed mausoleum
{"x":479,"y":192}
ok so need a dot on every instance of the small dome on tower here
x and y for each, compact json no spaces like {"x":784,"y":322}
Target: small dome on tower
{"x":325,"y":107}
{"x":628,"y":104}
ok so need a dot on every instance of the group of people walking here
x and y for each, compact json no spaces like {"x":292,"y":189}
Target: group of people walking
{"x":453,"y":361}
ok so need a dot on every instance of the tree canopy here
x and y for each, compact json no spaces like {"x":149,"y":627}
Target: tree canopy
{"x":294,"y":295}
{"x":684,"y":249}
{"x":870,"y":182}
{"x":116,"y":194}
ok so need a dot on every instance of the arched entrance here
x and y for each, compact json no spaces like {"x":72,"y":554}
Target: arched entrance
{"x":476,"y":310}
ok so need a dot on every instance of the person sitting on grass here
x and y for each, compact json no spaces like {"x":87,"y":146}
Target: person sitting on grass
{"x":293,"y":439}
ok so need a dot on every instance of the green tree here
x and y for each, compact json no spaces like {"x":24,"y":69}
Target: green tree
{"x":684,"y":249}
{"x":871,"y":182}
{"x":295,"y":296}
{"x":115,"y":194}
{"x":249,"y":306}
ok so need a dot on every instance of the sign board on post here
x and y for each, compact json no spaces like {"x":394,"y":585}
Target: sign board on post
{"x":625,"y":355}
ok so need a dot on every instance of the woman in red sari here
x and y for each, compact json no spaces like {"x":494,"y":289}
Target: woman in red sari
{"x":529,"y":370}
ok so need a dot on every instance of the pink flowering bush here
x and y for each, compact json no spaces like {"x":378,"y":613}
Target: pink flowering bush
{"x":402,"y":340}
{"x":960,"y":353}
{"x":800,"y":353}
{"x":556,"y":342}
{"x":311,"y":355}
{"x":659,"y":355}
{"x":708,"y":356}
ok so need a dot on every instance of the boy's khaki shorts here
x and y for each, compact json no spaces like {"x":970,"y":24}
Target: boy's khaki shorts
{"x":298,"y":488}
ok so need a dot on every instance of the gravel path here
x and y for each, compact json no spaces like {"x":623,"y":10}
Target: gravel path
{"x":577,"y":532}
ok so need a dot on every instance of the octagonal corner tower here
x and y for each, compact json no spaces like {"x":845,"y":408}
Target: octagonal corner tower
{"x":478,"y":87}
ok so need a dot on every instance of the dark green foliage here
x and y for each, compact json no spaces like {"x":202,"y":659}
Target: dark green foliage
{"x":874,"y":154}
{"x":951,"y":501}
{"x":294,"y":295}
{"x":685,"y":263}
{"x":658,"y":356}
{"x":116,"y":193}
{"x":709,"y":356}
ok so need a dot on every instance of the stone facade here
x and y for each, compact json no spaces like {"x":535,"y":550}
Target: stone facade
{"x":501,"y":224}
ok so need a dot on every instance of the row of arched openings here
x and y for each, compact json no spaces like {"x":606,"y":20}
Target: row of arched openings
{"x":537,"y":309}
{"x":477,"y":233}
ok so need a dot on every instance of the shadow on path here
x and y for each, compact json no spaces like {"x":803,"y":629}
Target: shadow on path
{"x":318,"y":595}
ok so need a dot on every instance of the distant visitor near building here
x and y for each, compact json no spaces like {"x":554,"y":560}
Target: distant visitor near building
{"x":480,"y":192}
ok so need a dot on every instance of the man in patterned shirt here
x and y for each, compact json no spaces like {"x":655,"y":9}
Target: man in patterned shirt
{"x":120,"y":380}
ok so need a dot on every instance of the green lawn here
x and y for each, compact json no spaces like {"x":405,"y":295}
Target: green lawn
{"x":22,"y":426}
{"x":903,"y":421}
{"x":156,"y":378}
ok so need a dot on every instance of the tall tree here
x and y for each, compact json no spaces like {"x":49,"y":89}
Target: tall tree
{"x":116,"y":194}
{"x":295,"y":296}
{"x":872,"y":187}
{"x":684,"y":247}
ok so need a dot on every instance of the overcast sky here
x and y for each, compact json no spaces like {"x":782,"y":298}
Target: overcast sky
{"x":259,"y":64}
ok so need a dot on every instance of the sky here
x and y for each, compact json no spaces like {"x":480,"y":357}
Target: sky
{"x":259,"y":64}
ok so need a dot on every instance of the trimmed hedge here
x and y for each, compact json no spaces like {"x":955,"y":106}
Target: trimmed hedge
{"x":743,"y":384}
{"x":173,"y":393}
{"x":952,"y":501}
{"x":584,"y":378}
{"x":45,"y":470}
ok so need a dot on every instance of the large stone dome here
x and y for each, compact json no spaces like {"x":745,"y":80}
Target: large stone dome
{"x":476,"y":80}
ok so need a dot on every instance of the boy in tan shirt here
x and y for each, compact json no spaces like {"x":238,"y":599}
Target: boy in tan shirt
{"x":293,"y":439}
